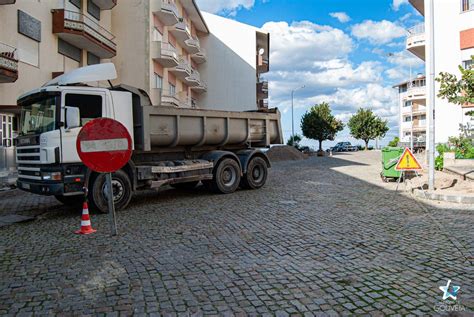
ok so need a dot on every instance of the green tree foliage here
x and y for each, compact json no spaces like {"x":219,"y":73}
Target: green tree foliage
{"x":457,"y":91}
{"x":295,"y":140}
{"x":365,"y":125}
{"x":394,"y":142}
{"x":319,"y":124}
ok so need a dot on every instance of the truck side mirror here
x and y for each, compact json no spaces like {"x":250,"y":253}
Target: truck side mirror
{"x":73,"y":117}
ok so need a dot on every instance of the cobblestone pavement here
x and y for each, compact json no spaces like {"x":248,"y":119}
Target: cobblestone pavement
{"x":317,"y":239}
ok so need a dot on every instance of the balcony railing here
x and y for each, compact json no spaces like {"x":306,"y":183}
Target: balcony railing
{"x":75,"y":24}
{"x":417,"y":29}
{"x":165,"y":54}
{"x":192,"y":45}
{"x":166,"y":11}
{"x":170,"y":98}
{"x":7,"y":2}
{"x":105,"y":4}
{"x":8,"y":63}
{"x":263,"y":104}
{"x":181,"y":32}
{"x":200,"y":57}
{"x":416,"y":40}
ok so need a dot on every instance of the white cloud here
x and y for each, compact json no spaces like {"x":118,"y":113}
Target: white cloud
{"x":301,"y":44}
{"x":341,"y":16}
{"x":378,"y":32}
{"x":227,"y":7}
{"x":397,"y":3}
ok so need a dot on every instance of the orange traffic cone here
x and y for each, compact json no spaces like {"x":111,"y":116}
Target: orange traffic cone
{"x":86,"y":227}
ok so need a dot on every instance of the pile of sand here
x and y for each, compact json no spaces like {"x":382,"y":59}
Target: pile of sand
{"x":285,"y":153}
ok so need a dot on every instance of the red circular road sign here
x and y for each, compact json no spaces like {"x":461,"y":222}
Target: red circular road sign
{"x":104,"y":145}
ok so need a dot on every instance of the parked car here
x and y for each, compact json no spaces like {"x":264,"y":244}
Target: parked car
{"x":344,"y":147}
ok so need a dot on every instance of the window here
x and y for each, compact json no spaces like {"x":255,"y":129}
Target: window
{"x":76,"y":3}
{"x":468,"y":64}
{"x":158,"y":81}
{"x":90,"y":106}
{"x":93,"y":9}
{"x":407,"y":119}
{"x":157,"y":36}
{"x":92,"y":59}
{"x":172,"y":89}
{"x":467,"y":5}
{"x":407,"y":104}
{"x":69,"y":50}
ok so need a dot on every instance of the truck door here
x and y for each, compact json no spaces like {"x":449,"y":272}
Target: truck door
{"x":91,"y":105}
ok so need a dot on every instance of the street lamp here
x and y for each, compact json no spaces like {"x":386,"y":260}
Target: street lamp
{"x":292,"y":110}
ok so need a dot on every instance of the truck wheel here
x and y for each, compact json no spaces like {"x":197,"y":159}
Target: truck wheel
{"x":226,"y":177}
{"x":185,"y":186}
{"x":76,"y":200}
{"x":256,"y":174}
{"x":122,"y":189}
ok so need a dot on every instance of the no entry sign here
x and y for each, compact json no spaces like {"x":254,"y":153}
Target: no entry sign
{"x":104,"y":145}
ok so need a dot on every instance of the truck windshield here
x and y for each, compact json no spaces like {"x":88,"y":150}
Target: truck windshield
{"x":38,"y":116}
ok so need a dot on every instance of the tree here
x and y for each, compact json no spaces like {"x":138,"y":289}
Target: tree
{"x":457,"y":91}
{"x":294,"y":140}
{"x":365,"y":125}
{"x":319,"y":124}
{"x":394,"y":142}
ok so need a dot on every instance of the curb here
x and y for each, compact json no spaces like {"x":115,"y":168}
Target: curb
{"x":443,"y":197}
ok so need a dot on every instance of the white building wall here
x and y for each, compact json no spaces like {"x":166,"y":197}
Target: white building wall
{"x":230,"y":71}
{"x":449,"y":21}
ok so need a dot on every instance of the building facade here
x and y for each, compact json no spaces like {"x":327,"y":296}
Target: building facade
{"x":40,"y":40}
{"x":412,"y":111}
{"x":453,"y":35}
{"x":179,"y":55}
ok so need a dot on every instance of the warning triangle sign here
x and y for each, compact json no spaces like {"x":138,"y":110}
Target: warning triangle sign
{"x":408,"y":162}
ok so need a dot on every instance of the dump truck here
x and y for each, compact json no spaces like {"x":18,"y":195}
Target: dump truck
{"x":171,"y":146}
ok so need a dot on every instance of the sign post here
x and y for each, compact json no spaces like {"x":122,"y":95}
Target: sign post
{"x":105,"y":146}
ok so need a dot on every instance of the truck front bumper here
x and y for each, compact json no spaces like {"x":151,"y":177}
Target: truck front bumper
{"x":41,"y":189}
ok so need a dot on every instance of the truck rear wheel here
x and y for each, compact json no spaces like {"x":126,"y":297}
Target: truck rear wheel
{"x":122,"y":189}
{"x":76,"y":200}
{"x":226,"y":177}
{"x":256,"y":175}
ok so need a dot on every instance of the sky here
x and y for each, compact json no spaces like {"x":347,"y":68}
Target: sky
{"x":348,"y":53}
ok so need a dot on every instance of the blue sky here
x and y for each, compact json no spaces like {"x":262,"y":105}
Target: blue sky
{"x":338,"y":49}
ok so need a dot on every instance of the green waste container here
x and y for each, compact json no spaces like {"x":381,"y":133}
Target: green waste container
{"x":390,"y":156}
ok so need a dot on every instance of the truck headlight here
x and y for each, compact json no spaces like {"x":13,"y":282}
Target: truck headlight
{"x":54,"y":176}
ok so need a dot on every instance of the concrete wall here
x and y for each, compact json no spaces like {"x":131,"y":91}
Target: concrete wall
{"x":230,"y":71}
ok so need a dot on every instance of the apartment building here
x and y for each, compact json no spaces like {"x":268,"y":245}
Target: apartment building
{"x":453,"y":45}
{"x":40,"y":40}
{"x":412,"y":111}
{"x":187,"y":58}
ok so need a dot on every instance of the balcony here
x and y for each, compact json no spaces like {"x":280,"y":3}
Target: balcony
{"x":7,"y":2}
{"x":192,"y":46}
{"x":182,"y":70}
{"x":84,"y":33}
{"x":416,"y":41}
{"x":262,"y":89}
{"x":171,"y":99}
{"x":8,"y":63}
{"x":262,"y":64}
{"x":199,"y":57}
{"x":181,"y":32}
{"x":194,"y":79}
{"x":166,"y":11}
{"x":165,"y":54}
{"x":263,"y":104}
{"x":105,"y":4}
{"x":419,"y":5}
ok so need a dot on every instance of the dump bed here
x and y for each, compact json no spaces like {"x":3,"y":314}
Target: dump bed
{"x":158,"y":127}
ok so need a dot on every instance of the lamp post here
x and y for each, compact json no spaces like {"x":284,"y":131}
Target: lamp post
{"x":292,"y":111}
{"x":431,"y":98}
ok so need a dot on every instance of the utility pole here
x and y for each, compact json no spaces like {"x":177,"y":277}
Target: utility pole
{"x":432,"y":96}
{"x":411,"y":112}
{"x":292,"y":112}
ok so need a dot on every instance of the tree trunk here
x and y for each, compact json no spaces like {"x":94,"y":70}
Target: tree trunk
{"x":320,"y":145}
{"x":366,"y":144}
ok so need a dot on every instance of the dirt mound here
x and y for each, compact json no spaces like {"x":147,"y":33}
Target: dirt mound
{"x":285,"y":153}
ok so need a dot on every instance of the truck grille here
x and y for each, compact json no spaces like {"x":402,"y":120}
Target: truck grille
{"x":28,"y":172}
{"x":28,"y":154}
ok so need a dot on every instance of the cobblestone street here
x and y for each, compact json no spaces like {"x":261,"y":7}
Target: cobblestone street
{"x":325,"y":236}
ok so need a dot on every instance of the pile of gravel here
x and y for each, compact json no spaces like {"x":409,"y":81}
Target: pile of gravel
{"x":285,"y":153}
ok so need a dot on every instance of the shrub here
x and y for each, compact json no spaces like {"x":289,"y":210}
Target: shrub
{"x":439,"y":160}
{"x":394,"y":142}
